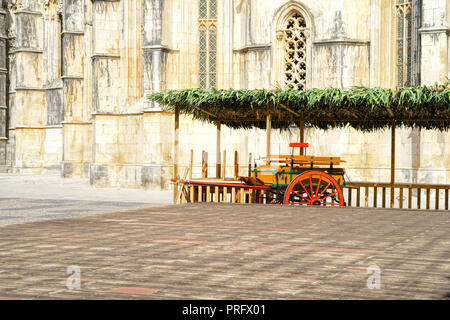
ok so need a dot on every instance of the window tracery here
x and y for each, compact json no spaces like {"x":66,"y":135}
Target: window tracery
{"x":403,"y":46}
{"x":207,"y":44}
{"x":294,"y":38}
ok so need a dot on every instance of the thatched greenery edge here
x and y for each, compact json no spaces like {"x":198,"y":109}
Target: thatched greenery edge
{"x":362,"y":108}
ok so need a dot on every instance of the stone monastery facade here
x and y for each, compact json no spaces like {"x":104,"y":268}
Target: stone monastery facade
{"x":74,"y":76}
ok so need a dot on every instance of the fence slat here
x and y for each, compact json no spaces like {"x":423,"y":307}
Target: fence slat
{"x":436,"y":203}
{"x":251,"y":196}
{"x":428,"y":199}
{"x":233,"y":195}
{"x":446,"y":199}
{"x":268,"y":197}
{"x":358,"y":197}
{"x":375,"y":192}
{"x":242,"y":195}
{"x":225,"y":194}
{"x":216,"y":194}
{"x":366,"y":197}
{"x":192,"y":194}
{"x":200,"y":194}
{"x":349,"y":197}
{"x":419,"y":194}
{"x":401,"y":198}
{"x":208,"y":194}
{"x":383,"y":198}
{"x":409,"y":198}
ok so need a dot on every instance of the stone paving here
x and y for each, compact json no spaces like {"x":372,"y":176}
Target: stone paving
{"x":230,"y":251}
{"x":29,"y":198}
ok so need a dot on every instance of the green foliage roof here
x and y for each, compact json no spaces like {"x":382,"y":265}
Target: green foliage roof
{"x":362,"y":108}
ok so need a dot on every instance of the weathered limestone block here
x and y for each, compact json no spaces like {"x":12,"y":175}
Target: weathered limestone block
{"x":3,"y":90}
{"x":73,"y":15}
{"x":28,"y":35}
{"x":130,"y":139}
{"x":106,"y":85}
{"x":257,"y":68}
{"x":28,"y":70}
{"x":2,"y":124}
{"x":2,"y":154}
{"x":77,"y":150}
{"x":74,"y":55}
{"x":73,"y":93}
{"x":157,"y":148}
{"x":106,"y":22}
{"x":30,"y":108}
{"x":29,"y":150}
{"x":106,"y":147}
{"x":152,"y":22}
{"x":77,"y":142}
{"x":52,"y":149}
{"x":55,"y":107}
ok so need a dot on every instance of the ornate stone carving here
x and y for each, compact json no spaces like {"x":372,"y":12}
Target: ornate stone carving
{"x":280,"y":34}
{"x":294,"y":42}
{"x":14,"y":5}
{"x":59,"y":5}
{"x":404,"y":21}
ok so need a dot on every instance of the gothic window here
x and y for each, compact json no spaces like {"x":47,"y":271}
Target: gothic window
{"x":404,"y":51}
{"x":294,"y":42}
{"x":207,"y":44}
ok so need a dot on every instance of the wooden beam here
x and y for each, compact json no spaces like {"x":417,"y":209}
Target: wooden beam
{"x":290,"y":110}
{"x":207,"y":112}
{"x":175,"y":149}
{"x":224,"y":164}
{"x":329,"y":119}
{"x":218,"y":149}
{"x":302,"y":136}
{"x":268,"y":129}
{"x":392,"y":162}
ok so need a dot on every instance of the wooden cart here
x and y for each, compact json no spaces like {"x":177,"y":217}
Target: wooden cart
{"x":290,"y":180}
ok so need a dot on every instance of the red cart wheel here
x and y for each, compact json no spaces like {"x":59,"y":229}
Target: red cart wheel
{"x":314,"y":188}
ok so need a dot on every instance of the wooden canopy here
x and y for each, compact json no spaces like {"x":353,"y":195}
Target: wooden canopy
{"x":362,"y":108}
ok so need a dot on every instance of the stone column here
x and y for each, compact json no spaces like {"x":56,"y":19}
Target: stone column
{"x":106,"y":91}
{"x":27,"y":111}
{"x":154,"y":53}
{"x":435,"y":31}
{"x":3,"y":86}
{"x":76,"y":67}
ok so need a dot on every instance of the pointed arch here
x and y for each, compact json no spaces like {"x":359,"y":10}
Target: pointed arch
{"x":292,"y":31}
{"x":207,"y":52}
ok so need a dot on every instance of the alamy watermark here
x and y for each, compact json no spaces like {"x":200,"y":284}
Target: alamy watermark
{"x":74,"y":280}
{"x":374,"y":281}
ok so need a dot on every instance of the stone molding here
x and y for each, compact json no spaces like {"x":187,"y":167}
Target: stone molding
{"x":349,"y":42}
{"x":254,"y":47}
{"x":441,"y":29}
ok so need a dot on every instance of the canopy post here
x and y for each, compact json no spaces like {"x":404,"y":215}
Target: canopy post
{"x":175,"y":150}
{"x":218,"y":150}
{"x":268,"y":129}
{"x":302,"y":136}
{"x":392,"y":162}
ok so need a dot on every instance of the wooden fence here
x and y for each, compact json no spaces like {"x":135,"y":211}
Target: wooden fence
{"x":397,"y":195}
{"x":356,"y":194}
